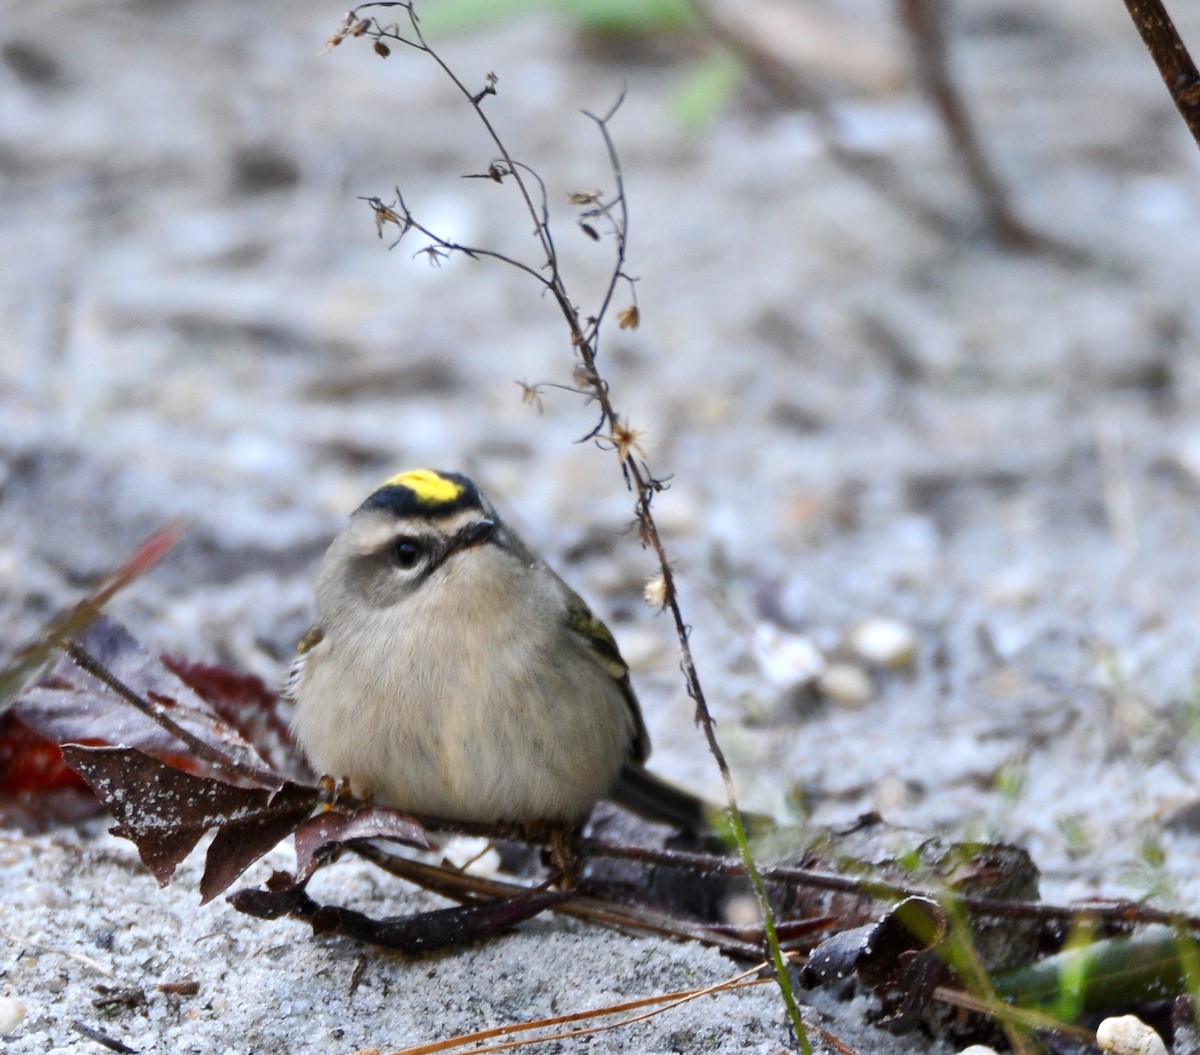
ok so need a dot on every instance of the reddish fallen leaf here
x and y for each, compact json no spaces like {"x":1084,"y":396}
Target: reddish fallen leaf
{"x":165,"y":811}
{"x":71,"y":706}
{"x":248,"y":704}
{"x":29,"y":763}
{"x":318,"y":837}
{"x":242,"y":841}
{"x":38,"y":788}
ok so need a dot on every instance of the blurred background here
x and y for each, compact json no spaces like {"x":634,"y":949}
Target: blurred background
{"x":934,"y":490}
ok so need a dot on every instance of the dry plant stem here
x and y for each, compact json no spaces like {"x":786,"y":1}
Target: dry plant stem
{"x":1117,"y":912}
{"x":35,"y":658}
{"x":874,"y":169}
{"x":834,"y":1041}
{"x":78,"y":957}
{"x":461,"y":887}
{"x":789,"y":84}
{"x":926,"y":23}
{"x":644,"y":487}
{"x":158,"y":714}
{"x":102,"y":1038}
{"x":661,"y":1002}
{"x":585,"y":338}
{"x":1171,"y":57}
{"x":1025,"y":1017}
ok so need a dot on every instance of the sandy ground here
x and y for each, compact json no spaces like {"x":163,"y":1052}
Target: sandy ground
{"x":864,"y":417}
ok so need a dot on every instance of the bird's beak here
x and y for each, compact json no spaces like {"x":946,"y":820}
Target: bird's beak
{"x":473,"y":534}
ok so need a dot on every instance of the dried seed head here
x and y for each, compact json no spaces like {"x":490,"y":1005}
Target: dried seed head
{"x":655,"y":592}
{"x":627,"y":439}
{"x":531,"y":394}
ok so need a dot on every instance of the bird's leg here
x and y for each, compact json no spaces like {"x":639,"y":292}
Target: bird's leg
{"x":558,"y":838}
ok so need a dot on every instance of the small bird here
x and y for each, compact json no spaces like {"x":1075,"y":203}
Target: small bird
{"x":453,"y":674}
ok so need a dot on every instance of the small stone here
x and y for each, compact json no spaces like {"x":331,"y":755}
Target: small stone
{"x":12,"y":1014}
{"x":1187,"y":455}
{"x":1129,"y":1035}
{"x":978,"y":1049}
{"x":884,"y":642}
{"x":847,"y":685}
{"x":787,"y":660}
{"x":742,"y":910}
{"x":474,"y":854}
{"x":1014,"y":587}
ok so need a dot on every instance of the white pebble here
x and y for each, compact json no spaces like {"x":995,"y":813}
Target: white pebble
{"x":1129,"y":1035}
{"x":787,"y":660}
{"x":474,"y":853}
{"x":884,"y":642}
{"x":1187,"y":455}
{"x":12,"y":1014}
{"x":978,"y":1049}
{"x":845,"y":684}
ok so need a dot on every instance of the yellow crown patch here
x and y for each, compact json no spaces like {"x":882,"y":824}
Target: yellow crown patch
{"x":429,"y":487}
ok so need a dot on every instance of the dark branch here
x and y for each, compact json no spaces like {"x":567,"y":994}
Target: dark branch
{"x":1171,"y":57}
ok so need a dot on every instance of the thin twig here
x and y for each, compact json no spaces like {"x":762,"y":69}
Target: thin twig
{"x":659,"y":1003}
{"x":644,"y":487}
{"x":1111,"y":912}
{"x":158,"y":714}
{"x":33,"y":660}
{"x":461,"y":887}
{"x":1171,"y":56}
{"x":87,"y":961}
{"x":103,"y":1039}
{"x":789,"y":83}
{"x":926,"y":23}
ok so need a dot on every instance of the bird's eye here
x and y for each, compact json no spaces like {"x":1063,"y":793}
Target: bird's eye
{"x":406,"y":553}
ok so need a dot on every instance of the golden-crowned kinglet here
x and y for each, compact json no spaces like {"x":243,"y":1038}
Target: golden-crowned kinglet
{"x":452,"y":673}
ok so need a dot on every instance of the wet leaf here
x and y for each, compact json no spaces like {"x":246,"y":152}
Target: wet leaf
{"x":242,"y":841}
{"x":165,"y":811}
{"x":893,"y":956}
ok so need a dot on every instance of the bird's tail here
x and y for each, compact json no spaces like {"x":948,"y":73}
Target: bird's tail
{"x":651,"y":797}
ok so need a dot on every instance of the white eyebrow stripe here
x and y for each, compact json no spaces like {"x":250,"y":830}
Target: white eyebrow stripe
{"x":371,"y":538}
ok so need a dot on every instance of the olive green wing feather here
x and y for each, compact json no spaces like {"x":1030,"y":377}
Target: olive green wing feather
{"x":602,"y":646}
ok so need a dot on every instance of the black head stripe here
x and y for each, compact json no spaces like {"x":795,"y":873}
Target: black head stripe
{"x":425,"y":493}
